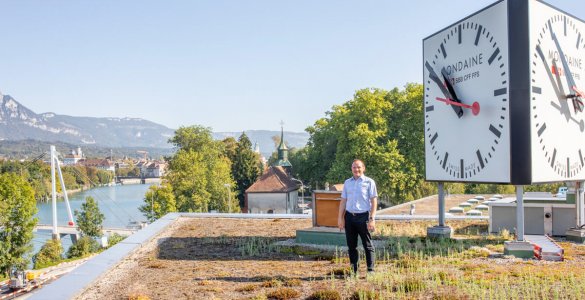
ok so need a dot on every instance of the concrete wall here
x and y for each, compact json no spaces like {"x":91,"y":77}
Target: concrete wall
{"x":277,"y":203}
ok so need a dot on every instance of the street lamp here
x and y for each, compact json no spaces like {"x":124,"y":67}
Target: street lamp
{"x":227,"y":185}
{"x":302,"y":191}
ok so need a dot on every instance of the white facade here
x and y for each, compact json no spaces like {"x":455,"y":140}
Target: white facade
{"x":277,"y":203}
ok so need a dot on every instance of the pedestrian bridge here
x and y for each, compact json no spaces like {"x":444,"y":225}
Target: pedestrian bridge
{"x":73,"y":230}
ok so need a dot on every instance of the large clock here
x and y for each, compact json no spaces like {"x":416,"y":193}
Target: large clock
{"x":504,"y":96}
{"x":557,"y":84}
{"x":466,"y":99}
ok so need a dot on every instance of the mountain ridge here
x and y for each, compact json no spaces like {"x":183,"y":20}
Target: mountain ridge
{"x":18,"y":123}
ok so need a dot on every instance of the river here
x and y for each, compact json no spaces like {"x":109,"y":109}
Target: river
{"x":118,"y":203}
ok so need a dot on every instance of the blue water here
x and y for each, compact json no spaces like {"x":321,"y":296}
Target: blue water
{"x":119,"y":204}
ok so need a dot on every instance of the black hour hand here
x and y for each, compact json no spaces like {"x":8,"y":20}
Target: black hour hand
{"x":457,"y":109}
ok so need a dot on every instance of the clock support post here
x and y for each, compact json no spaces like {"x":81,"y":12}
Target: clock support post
{"x":520,"y":247}
{"x":519,"y":213}
{"x":579,"y":216}
{"x":578,"y":234}
{"x":440,"y":231}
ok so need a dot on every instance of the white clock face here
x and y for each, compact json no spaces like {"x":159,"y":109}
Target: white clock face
{"x":466,"y":100}
{"x":557,"y":81}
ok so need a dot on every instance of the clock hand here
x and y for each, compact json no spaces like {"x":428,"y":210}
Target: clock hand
{"x":577,"y":103}
{"x":474,"y":107}
{"x":577,"y":100}
{"x":458,"y":110}
{"x":556,"y":82}
{"x":435,"y":78}
{"x":580,"y":123}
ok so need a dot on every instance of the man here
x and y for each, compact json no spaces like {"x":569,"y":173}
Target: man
{"x":357,"y":212}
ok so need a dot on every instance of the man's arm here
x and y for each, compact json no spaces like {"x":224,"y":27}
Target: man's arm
{"x":341,"y":214}
{"x":372,"y":221}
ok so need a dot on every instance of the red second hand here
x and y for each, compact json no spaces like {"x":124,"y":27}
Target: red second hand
{"x":474,"y":107}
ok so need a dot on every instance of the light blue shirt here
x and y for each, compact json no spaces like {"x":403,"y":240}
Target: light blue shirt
{"x":358,"y":193}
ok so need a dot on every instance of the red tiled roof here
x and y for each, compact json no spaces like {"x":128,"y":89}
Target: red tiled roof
{"x":274,"y":180}
{"x":96,"y":162}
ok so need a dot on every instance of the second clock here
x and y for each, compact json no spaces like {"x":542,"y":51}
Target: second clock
{"x":466,"y":100}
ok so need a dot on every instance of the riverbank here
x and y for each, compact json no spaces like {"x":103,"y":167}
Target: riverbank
{"x":87,"y":188}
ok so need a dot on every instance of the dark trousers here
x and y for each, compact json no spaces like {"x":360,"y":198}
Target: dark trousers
{"x":357,"y":225}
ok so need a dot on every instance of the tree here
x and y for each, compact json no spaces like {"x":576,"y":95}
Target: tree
{"x":198,"y":171}
{"x":382,"y":128}
{"x":105,"y":177}
{"x":245,"y":166}
{"x":49,"y":255}
{"x":115,"y":238}
{"x":90,"y":219}
{"x":83,"y":247}
{"x":158,"y":201}
{"x":230,"y":146}
{"x":17,"y":221}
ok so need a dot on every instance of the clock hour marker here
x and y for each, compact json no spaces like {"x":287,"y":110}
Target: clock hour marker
{"x":568,"y":174}
{"x":478,"y":34}
{"x":536,"y":90}
{"x":443,"y":51}
{"x":430,"y":108}
{"x":462,"y":168}
{"x":434,"y":138}
{"x":565,"y":25}
{"x":541,"y":130}
{"x":552,"y":161}
{"x":494,"y":55}
{"x":479,"y":158}
{"x":500,"y":92}
{"x":495,"y":131}
{"x":581,"y":157}
{"x":445,"y":159}
{"x":459,"y":33}
{"x":578,"y":40}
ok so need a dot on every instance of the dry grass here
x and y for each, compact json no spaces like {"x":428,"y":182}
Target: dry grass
{"x":237,"y":259}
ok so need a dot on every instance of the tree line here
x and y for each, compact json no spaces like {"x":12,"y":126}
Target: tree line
{"x":204,"y":174}
{"x":38,"y":174}
{"x":383,"y":128}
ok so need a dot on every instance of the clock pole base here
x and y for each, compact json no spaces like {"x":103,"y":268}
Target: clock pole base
{"x":576,"y":235}
{"x":520,"y":249}
{"x":439,"y":232}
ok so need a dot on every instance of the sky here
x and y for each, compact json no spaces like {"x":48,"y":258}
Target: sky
{"x":229,"y":65}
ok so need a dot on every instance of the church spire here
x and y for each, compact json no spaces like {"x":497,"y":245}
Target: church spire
{"x":283,"y":151}
{"x":282,"y":145}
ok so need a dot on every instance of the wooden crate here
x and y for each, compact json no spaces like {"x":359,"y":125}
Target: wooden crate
{"x":326,"y":208}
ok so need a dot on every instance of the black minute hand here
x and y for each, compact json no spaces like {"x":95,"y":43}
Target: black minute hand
{"x":577,"y":102}
{"x":458,"y":110}
{"x":435,"y":78}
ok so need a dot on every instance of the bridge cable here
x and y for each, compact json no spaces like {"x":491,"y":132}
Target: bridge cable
{"x":107,"y":196}
{"x":99,"y":199}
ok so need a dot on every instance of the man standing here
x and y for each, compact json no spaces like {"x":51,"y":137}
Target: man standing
{"x":357,"y":212}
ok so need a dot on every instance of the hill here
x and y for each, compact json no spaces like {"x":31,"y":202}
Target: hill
{"x":17,"y":122}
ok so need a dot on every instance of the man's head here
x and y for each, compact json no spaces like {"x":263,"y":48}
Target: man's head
{"x":357,"y":168}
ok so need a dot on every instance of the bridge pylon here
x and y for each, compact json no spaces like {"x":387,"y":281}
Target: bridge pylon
{"x":56,"y":168}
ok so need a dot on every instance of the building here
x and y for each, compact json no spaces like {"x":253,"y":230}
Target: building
{"x":73,"y":158}
{"x":263,"y":159}
{"x":155,"y":169}
{"x":274,"y":192}
{"x":283,"y":154}
{"x":100,"y":164}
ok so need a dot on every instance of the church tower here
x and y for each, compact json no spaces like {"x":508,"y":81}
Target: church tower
{"x":283,"y":153}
